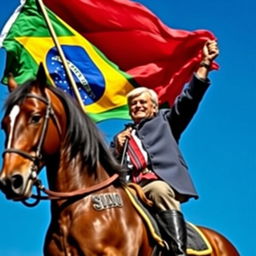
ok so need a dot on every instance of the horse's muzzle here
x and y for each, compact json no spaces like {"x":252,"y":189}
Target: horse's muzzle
{"x":13,"y":187}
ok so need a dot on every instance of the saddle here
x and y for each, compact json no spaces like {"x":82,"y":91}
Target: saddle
{"x":197,"y":243}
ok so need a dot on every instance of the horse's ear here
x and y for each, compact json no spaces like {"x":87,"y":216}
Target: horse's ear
{"x":41,"y":77}
{"x":11,"y":82}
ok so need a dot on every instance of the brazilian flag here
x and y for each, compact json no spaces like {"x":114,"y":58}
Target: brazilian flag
{"x":27,"y":40}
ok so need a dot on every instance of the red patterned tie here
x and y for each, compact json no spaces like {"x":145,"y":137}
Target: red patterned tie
{"x":136,"y":156}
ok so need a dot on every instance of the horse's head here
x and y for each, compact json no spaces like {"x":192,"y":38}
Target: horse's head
{"x":33,"y":123}
{"x":44,"y":126}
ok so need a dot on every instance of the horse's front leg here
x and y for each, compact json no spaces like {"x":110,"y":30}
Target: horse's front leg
{"x":54,"y":244}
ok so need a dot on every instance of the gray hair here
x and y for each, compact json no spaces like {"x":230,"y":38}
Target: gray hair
{"x":139,"y":90}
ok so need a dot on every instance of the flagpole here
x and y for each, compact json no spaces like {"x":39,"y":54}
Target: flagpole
{"x":61,"y":53}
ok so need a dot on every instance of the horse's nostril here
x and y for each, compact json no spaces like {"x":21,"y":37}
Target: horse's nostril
{"x":2,"y":184}
{"x":17,"y":181}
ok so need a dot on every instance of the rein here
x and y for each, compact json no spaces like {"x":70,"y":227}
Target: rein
{"x":54,"y":195}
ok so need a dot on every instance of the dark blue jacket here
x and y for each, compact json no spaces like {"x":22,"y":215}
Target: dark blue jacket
{"x":160,"y":137}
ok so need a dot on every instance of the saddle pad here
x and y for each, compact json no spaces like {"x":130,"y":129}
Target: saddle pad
{"x":197,"y":243}
{"x":147,"y":217}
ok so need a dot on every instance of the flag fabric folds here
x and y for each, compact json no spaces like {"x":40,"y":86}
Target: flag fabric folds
{"x":27,"y":40}
{"x":131,"y":36}
{"x":111,"y":46}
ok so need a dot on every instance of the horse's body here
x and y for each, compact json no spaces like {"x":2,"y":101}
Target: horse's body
{"x":76,"y":159}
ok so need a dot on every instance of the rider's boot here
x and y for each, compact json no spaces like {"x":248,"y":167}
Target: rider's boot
{"x":174,"y":227}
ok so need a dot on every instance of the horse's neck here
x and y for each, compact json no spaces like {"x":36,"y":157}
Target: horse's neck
{"x":67,"y":176}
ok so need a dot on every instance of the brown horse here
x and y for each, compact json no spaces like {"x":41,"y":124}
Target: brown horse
{"x":91,"y":214}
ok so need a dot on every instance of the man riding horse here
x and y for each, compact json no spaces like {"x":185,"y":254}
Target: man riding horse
{"x":153,"y":157}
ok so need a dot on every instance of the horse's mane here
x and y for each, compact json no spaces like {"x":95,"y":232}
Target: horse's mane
{"x":82,"y":134}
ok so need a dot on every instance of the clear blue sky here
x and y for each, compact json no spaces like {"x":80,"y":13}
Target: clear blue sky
{"x":219,"y":144}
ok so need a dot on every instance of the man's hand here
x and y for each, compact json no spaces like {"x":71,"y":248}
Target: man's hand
{"x":121,"y":138}
{"x":210,"y":51}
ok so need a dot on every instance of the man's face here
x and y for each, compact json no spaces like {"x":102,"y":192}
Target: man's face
{"x":141,"y":107}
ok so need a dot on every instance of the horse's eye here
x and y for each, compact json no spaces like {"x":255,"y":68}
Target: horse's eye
{"x":35,"y":119}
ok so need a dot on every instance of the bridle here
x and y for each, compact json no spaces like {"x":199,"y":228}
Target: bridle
{"x":37,"y":158}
